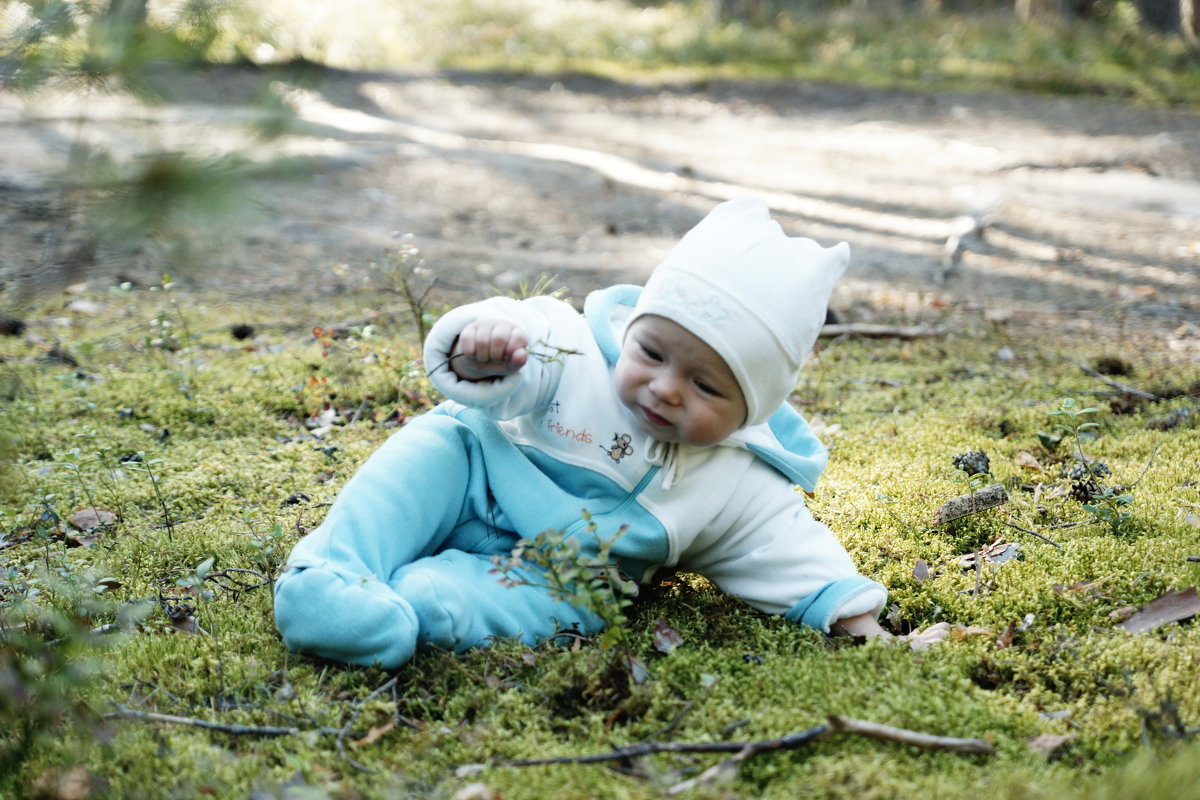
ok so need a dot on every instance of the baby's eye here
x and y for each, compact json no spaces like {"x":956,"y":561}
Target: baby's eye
{"x":704,"y":387}
{"x":651,"y":353}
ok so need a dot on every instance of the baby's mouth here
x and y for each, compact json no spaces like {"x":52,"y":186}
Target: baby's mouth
{"x":655,"y":419}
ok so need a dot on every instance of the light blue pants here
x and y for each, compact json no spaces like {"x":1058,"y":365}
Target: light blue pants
{"x":404,"y":559}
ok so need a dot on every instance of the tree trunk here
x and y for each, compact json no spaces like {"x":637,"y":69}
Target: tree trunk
{"x":1162,"y":15}
{"x":1189,"y":20}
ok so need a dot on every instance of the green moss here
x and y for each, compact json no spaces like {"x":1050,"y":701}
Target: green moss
{"x":240,"y":459}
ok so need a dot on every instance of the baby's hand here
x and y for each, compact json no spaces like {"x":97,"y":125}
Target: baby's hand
{"x":920,"y":639}
{"x":489,"y":348}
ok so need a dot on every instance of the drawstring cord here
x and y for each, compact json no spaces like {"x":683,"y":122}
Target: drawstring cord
{"x":665,"y":455}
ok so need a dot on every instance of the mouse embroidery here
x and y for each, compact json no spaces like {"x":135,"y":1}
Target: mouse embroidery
{"x":621,"y":447}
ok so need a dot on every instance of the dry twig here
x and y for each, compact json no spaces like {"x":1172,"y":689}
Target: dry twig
{"x":744,"y":750}
{"x":124,"y":712}
{"x":1034,"y":533}
{"x":882,"y":331}
{"x":967,"y":504}
{"x":341,"y":736}
{"x":1120,"y":387}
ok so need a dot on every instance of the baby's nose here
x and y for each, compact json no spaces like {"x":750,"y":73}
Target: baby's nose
{"x":666,"y":388}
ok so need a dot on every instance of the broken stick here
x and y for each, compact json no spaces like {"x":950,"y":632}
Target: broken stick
{"x":1120,"y":387}
{"x":973,"y":503}
{"x":792,"y":741}
{"x":882,"y":331}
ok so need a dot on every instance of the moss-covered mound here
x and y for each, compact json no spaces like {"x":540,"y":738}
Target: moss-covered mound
{"x":162,"y":462}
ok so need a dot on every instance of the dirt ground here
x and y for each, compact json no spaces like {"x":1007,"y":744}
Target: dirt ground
{"x":1073,"y":212}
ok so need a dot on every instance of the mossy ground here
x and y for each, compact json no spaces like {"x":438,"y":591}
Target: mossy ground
{"x":222,"y":425}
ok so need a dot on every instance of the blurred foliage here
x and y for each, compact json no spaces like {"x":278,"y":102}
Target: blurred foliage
{"x":167,"y":196}
{"x":163,"y":195}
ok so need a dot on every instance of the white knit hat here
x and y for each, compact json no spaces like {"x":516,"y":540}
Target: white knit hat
{"x":752,"y":293}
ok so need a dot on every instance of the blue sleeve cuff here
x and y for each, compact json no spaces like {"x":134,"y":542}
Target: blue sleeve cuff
{"x":817,"y":610}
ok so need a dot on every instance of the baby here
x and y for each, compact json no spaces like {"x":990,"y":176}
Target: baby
{"x":662,"y":411}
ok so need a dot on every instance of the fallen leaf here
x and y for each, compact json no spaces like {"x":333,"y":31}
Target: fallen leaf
{"x":1123,"y":613}
{"x":921,"y":570}
{"x":1047,"y":743}
{"x":637,"y":671}
{"x":375,"y":734}
{"x":1171,"y":606}
{"x":1028,"y":461}
{"x":187,"y":624}
{"x":88,"y":519}
{"x":477,"y":791}
{"x":666,"y":638}
{"x":58,"y":784}
{"x":108,"y":584}
{"x":467,"y":770}
{"x":963,"y":631}
{"x":1006,"y":639}
{"x":1192,"y":519}
{"x":80,"y":539}
{"x":1000,"y":552}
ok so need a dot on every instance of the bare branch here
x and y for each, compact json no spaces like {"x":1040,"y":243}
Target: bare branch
{"x":792,"y":741}
{"x":1120,"y":387}
{"x":973,"y":503}
{"x":926,"y":741}
{"x":123,"y":712}
{"x":341,"y":736}
{"x":1034,"y":533}
{"x":882,"y":331}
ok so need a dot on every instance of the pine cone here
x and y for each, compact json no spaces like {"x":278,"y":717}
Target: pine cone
{"x":1085,"y":491}
{"x":975,"y":463}
{"x":1095,"y":469}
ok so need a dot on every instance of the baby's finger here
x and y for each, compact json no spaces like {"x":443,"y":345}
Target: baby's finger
{"x":497,"y":349}
{"x":516,"y":350}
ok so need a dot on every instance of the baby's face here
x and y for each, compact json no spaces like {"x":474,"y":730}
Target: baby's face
{"x":677,"y":386}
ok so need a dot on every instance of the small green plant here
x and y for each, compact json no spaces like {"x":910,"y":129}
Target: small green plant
{"x":169,"y":335}
{"x":1071,"y":425}
{"x":1104,"y":503}
{"x":44,"y":665}
{"x":71,"y":462}
{"x":194,"y":580}
{"x":269,"y":547}
{"x":402,"y":272}
{"x":1110,"y":508}
{"x":544,"y":286}
{"x":139,"y":463}
{"x":571,"y":573}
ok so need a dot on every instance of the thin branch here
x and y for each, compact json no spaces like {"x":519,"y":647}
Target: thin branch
{"x":728,"y":767}
{"x":228,"y":573}
{"x":723,"y":770}
{"x":1120,"y":387}
{"x":792,"y":741}
{"x":1146,"y":468}
{"x":883,"y":331}
{"x":925,"y":741}
{"x":124,"y":712}
{"x":7,"y":543}
{"x":341,"y":736}
{"x":687,"y":709}
{"x":1034,"y":533}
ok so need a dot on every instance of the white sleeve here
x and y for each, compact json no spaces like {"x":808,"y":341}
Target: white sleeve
{"x":767,"y":549}
{"x":508,"y":396}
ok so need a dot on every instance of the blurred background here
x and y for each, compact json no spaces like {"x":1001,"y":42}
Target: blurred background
{"x":1017,"y":158}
